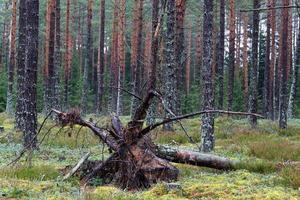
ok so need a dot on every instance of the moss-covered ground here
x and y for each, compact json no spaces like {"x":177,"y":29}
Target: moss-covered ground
{"x":262,"y":173}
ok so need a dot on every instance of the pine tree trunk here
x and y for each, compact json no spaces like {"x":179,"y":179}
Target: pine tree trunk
{"x":5,"y":37}
{"x":221,"y":49}
{"x":153,"y":59}
{"x":170,"y":81}
{"x":253,"y":71}
{"x":30,"y":95}
{"x":114,"y":72}
{"x":283,"y":96}
{"x":245,"y":60}
{"x":57,"y":57}
{"x":67,"y":58}
{"x":11,"y":66}
{"x":231,"y":56}
{"x":49,"y":76}
{"x":238,"y":48}
{"x":272,"y":62}
{"x":101,"y":67}
{"x":138,"y":63}
{"x":188,"y":61}
{"x":207,"y":127}
{"x":179,"y":49}
{"x":295,"y":77}
{"x":267,"y":78}
{"x":121,"y":55}
{"x":88,"y":58}
{"x":21,"y":60}
{"x":289,"y":47}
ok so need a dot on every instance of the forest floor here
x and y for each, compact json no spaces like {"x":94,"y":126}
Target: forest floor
{"x":262,"y":174}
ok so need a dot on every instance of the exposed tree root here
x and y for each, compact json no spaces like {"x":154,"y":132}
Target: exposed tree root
{"x":136,"y":162}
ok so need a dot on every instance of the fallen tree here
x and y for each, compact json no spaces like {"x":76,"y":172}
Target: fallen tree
{"x":136,"y":162}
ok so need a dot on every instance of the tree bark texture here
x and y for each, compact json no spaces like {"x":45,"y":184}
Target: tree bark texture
{"x":207,"y":127}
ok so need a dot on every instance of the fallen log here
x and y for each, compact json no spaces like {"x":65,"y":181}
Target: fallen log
{"x":194,"y":158}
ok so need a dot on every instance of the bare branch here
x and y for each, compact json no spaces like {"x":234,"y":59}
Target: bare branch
{"x":152,"y":127}
{"x":173,"y":114}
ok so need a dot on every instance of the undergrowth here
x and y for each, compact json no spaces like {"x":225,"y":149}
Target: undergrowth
{"x":256,"y":176}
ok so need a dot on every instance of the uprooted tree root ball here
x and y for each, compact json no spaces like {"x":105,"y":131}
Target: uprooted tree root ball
{"x":136,"y":162}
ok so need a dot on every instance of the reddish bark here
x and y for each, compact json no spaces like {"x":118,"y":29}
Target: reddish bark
{"x":147,"y":52}
{"x":179,"y":46}
{"x":198,"y":47}
{"x":273,"y":59}
{"x":67,"y":56}
{"x":245,"y":57}
{"x":188,"y":60}
{"x":284,"y":66}
{"x":231,"y":54}
{"x":290,"y":46}
{"x":121,"y":41}
{"x":114,"y":77}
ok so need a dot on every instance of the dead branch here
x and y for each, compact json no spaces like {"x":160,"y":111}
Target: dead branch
{"x":154,"y":126}
{"x":71,"y":119}
{"x":173,"y":114}
{"x":77,"y":166}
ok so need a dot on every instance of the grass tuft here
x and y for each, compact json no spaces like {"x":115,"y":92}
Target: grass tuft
{"x":257,"y":166}
{"x":275,"y":150}
{"x":32,"y":173}
{"x":291,"y":176}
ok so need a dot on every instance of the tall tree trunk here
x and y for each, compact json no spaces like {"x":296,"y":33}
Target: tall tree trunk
{"x":273,"y":61}
{"x":231,"y":55}
{"x":170,"y":81}
{"x":267,"y":78}
{"x":245,"y":59}
{"x":221,"y":49}
{"x":49,"y":76}
{"x":30,"y":97}
{"x":57,"y":57}
{"x":67,"y":63}
{"x":147,"y":52}
{"x":289,"y":47}
{"x":5,"y":37}
{"x":188,"y":61}
{"x":21,"y":60}
{"x":101,"y":62}
{"x":283,"y":103}
{"x":238,"y":48}
{"x":179,"y":49}
{"x":11,"y":66}
{"x":80,"y":41}
{"x":253,"y":71}
{"x":295,"y":77}
{"x":154,"y":59}
{"x":134,"y":53}
{"x":114,"y":72}
{"x":121,"y":55}
{"x":207,"y":127}
{"x":137,"y":62}
{"x":88,"y":63}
